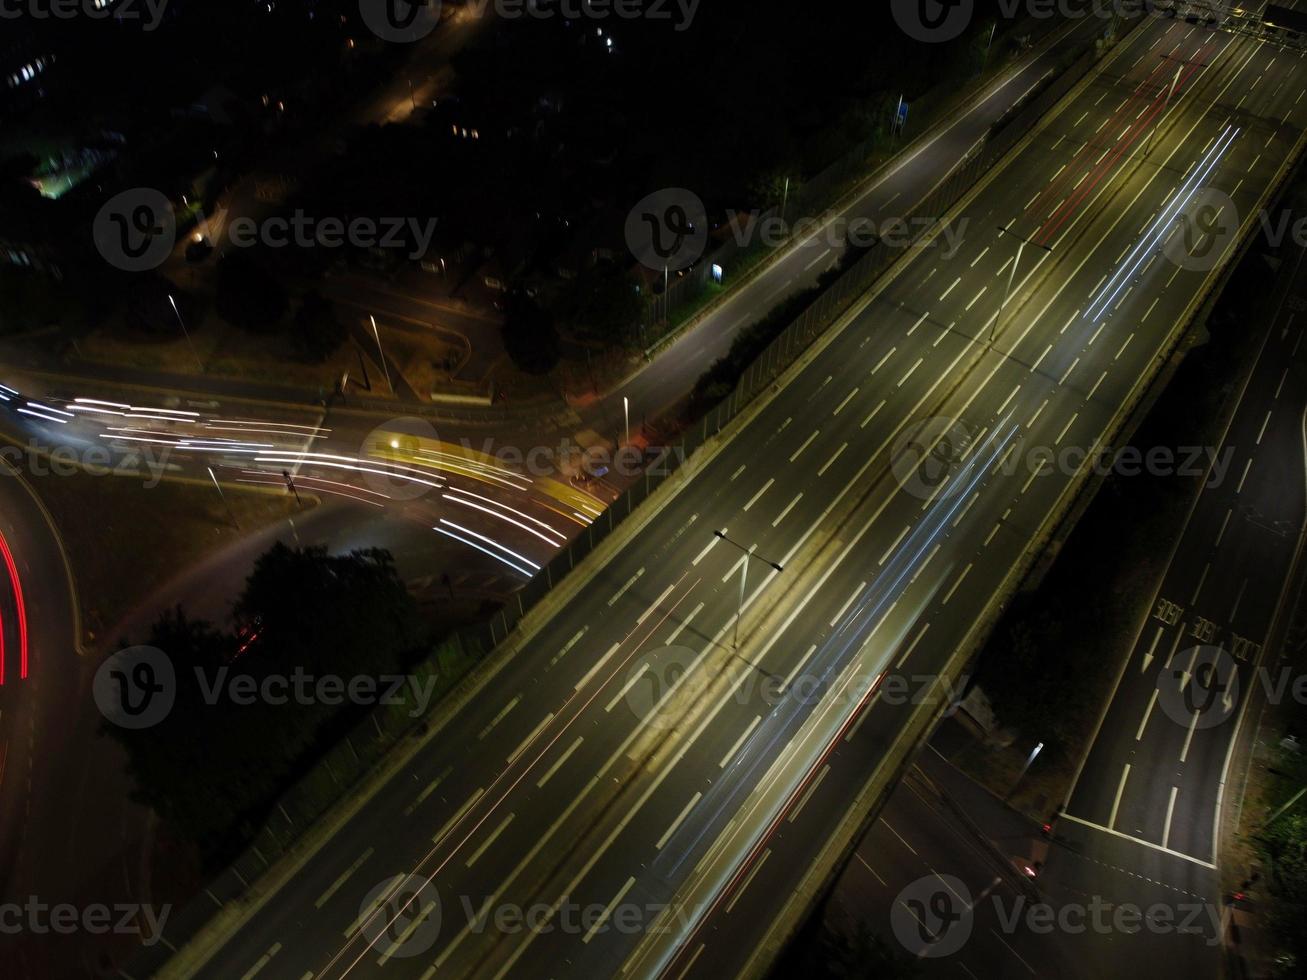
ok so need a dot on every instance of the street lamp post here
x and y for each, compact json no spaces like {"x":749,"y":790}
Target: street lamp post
{"x":1007,"y":289}
{"x":186,"y":333}
{"x":223,"y":497}
{"x":1152,"y":133}
{"x":1181,"y":64}
{"x":744,"y":577}
{"x":384,"y":366}
{"x":1024,"y":769}
{"x":626,"y":414}
{"x":667,"y":296}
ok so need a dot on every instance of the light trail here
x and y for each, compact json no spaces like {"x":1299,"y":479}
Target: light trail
{"x":48,"y":418}
{"x":1190,"y":187}
{"x":492,"y":542}
{"x":450,"y":496}
{"x":485,"y":551}
{"x":22,"y":608}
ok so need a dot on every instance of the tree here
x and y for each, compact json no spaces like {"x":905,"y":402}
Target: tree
{"x":530,"y":337}
{"x":185,"y":767}
{"x":219,"y":760}
{"x":248,"y":295}
{"x":860,"y":954}
{"x":146,"y":306}
{"x":603,"y":305}
{"x":1284,"y":843}
{"x":341,"y":613}
{"x":317,"y":331}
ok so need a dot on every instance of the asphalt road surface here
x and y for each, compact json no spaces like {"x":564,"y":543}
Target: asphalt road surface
{"x":69,"y":832}
{"x":1148,"y":799}
{"x":52,"y":756}
{"x":631,"y":768}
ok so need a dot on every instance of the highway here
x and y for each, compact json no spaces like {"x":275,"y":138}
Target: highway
{"x":36,"y":719}
{"x":918,"y":847}
{"x":1158,"y":847}
{"x":68,"y":829}
{"x":1150,"y":795}
{"x":381,"y":510}
{"x":589,"y":786}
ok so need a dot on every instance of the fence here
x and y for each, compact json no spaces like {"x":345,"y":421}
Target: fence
{"x":791,"y":342}
{"x":312,"y":796}
{"x":819,"y":192}
{"x":347,"y":762}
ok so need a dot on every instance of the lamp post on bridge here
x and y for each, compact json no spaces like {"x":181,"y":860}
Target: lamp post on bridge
{"x":744,"y":576}
{"x":1007,"y":289}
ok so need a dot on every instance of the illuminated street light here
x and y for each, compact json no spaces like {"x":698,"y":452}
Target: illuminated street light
{"x":1007,"y":289}
{"x":223,"y":497}
{"x":1024,"y":769}
{"x":186,"y":333}
{"x":381,"y":353}
{"x":1152,"y":133}
{"x":1170,"y":93}
{"x":744,"y":576}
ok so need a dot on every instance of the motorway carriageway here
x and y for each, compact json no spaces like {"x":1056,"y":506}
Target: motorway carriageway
{"x":577,"y":786}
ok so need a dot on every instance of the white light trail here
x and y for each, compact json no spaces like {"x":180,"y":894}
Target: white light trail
{"x":487,"y":551}
{"x":490,"y":541}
